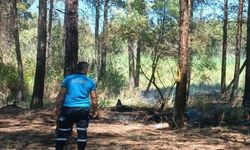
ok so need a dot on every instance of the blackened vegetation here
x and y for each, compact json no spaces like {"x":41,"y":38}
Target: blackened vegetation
{"x":12,"y":110}
{"x":131,"y":114}
{"x":138,"y":114}
{"x":214,"y":115}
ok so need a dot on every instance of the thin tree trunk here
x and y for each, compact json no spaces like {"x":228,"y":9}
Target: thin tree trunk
{"x":154,"y":66}
{"x":51,"y":10}
{"x":132,"y":45}
{"x":224,"y":49}
{"x":181,"y":88}
{"x":71,"y":36}
{"x":1,"y":32}
{"x":138,"y":63}
{"x":246,"y":98}
{"x":20,"y":81}
{"x":38,"y":91}
{"x":241,"y":69}
{"x":131,"y":60}
{"x":97,"y":38}
{"x":139,"y":48}
{"x":156,"y":56}
{"x":104,"y":39}
{"x":190,"y":51}
{"x":237,"y":52}
{"x":189,"y":79}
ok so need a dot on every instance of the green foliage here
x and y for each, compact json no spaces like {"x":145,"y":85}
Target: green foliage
{"x":87,"y":46}
{"x":8,"y":80}
{"x":55,"y":63}
{"x":139,"y":6}
{"x":23,"y":7}
{"x":104,"y":103}
{"x":171,"y":8}
{"x":206,"y":42}
{"x":130,"y":25}
{"x":114,"y":81}
{"x":203,"y":67}
{"x":56,"y":57}
{"x":24,"y":14}
{"x":52,"y":83}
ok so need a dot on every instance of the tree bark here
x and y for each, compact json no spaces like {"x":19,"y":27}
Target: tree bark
{"x":97,"y":38}
{"x":224,"y":49}
{"x":71,"y":36}
{"x":15,"y":32}
{"x":181,"y":87}
{"x":38,"y":91}
{"x":139,"y":48}
{"x":138,"y":63}
{"x":246,"y":98}
{"x":237,"y":52}
{"x":104,"y":39}
{"x":190,"y":51}
{"x":131,"y":61}
{"x":1,"y":32}
{"x":51,"y":10}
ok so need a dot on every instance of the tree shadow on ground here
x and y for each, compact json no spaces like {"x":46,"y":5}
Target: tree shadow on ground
{"x":13,"y":110}
{"x":217,"y":135}
{"x":27,"y":139}
{"x":36,"y":131}
{"x":149,"y":138}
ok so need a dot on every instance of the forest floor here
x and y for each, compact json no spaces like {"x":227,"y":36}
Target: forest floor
{"x":21,"y":129}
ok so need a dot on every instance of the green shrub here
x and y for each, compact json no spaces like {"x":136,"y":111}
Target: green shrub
{"x":113,"y":82}
{"x":104,"y":103}
{"x":8,"y":80}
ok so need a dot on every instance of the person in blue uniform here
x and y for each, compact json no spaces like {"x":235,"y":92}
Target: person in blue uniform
{"x":76,"y":96}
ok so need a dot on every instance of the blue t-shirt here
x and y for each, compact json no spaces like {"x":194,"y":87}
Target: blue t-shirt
{"x":78,"y":87}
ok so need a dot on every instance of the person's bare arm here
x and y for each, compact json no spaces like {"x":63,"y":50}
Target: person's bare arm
{"x":59,"y":99}
{"x":94,"y":102}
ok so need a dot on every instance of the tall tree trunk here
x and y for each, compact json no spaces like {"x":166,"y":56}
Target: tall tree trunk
{"x":15,"y":31}
{"x":104,"y":39}
{"x":131,"y":61}
{"x":38,"y":91}
{"x":1,"y":32}
{"x":190,"y":51}
{"x":246,"y":98}
{"x":5,"y":29}
{"x":138,"y":63}
{"x":51,"y":10}
{"x":224,"y":49}
{"x":97,"y":38}
{"x":71,"y":36}
{"x":139,"y":48}
{"x":132,"y":45}
{"x":237,"y":52}
{"x":181,"y":88}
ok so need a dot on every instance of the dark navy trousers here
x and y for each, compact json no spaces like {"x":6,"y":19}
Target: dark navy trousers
{"x":68,"y":116}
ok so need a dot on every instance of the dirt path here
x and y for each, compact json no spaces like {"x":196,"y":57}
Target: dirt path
{"x":36,"y":131}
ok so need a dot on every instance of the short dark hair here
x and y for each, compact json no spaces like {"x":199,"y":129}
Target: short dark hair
{"x":81,"y":66}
